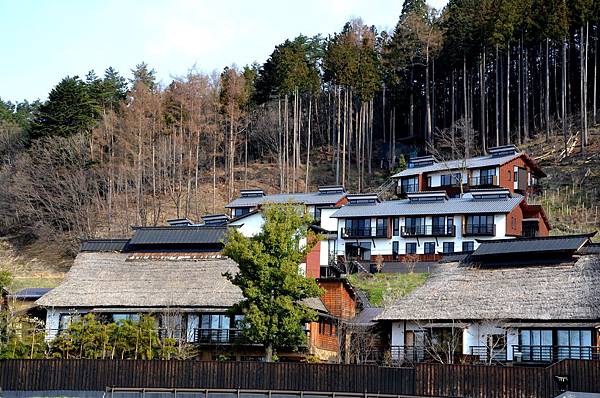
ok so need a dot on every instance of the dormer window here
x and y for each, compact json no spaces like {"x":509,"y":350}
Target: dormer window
{"x":367,"y":199}
{"x":431,"y":196}
{"x":421,"y":161}
{"x":331,"y":189}
{"x":490,"y":194}
{"x":252,"y":193}
{"x":505,"y":150}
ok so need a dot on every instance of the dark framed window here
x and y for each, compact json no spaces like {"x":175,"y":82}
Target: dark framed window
{"x":509,"y":176}
{"x":429,"y":181}
{"x":448,"y":247}
{"x":429,"y":247}
{"x":240,"y":211}
{"x":395,"y":249}
{"x":381,"y":227}
{"x":574,"y":343}
{"x":410,"y":184}
{"x":396,"y":226}
{"x":468,"y":246}
{"x":411,"y":248}
{"x":65,"y":320}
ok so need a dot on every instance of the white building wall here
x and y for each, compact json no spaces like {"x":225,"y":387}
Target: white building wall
{"x":251,"y":225}
{"x":328,"y":223}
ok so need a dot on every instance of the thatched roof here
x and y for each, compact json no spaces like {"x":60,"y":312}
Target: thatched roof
{"x":552,"y":292}
{"x":111,"y":280}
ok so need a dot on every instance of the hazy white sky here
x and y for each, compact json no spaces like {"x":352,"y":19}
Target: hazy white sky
{"x":43,"y":41}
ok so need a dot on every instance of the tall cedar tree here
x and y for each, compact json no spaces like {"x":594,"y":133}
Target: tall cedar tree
{"x":270,"y":280}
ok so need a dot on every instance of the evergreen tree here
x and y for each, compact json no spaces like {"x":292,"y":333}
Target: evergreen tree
{"x":70,"y":109}
{"x":143,"y":74}
{"x":270,"y":280}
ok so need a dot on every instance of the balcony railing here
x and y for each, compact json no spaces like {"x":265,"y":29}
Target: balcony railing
{"x":550,"y":353}
{"x":418,"y":353}
{"x":368,"y":232}
{"x":487,"y":354}
{"x":479,"y":229}
{"x":218,"y":336}
{"x":428,"y":230}
{"x":483,"y":180}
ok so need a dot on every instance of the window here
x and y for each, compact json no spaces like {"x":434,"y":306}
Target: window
{"x":447,"y":180}
{"x":125,"y":317}
{"x":395,"y":249}
{"x":438,"y":225}
{"x":468,"y":246}
{"x":411,"y":248}
{"x":317,"y":214}
{"x":574,"y":344}
{"x":381,"y":227}
{"x":516,"y":174}
{"x":358,"y":250}
{"x":480,"y":225}
{"x":513,"y":221}
{"x":448,"y":247}
{"x":359,"y":227}
{"x":396,"y":226}
{"x":326,"y":327}
{"x":408,"y":185}
{"x":487,"y":176}
{"x":414,"y":225}
{"x":240,"y":211}
{"x":429,"y":248}
{"x":429,"y":181}
{"x":509,"y":176}
{"x":536,"y":344}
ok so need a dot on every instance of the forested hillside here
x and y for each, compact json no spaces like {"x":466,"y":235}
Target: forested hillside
{"x":105,"y":152}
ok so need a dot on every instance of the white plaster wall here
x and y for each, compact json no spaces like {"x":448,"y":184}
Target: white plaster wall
{"x":328,"y":223}
{"x":251,"y":225}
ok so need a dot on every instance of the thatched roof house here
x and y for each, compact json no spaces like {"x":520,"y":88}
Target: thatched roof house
{"x":102,"y":279}
{"x":461,"y":292}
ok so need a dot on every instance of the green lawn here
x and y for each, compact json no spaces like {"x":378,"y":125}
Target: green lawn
{"x":382,"y":288}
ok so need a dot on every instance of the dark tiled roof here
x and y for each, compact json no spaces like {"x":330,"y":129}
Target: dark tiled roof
{"x":367,"y":316}
{"x":104,"y":245}
{"x":178,"y":235}
{"x":30,"y":293}
{"x":568,"y":243}
{"x":311,"y":198}
{"x":465,"y":205}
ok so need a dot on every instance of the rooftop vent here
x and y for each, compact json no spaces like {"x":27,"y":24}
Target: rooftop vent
{"x":363,"y":199}
{"x":179,"y":222}
{"x":505,"y":150}
{"x":486,"y":194}
{"x":252,"y":193}
{"x":421,"y":161}
{"x":331,"y":189}
{"x":215,"y":219}
{"x":428,"y":196}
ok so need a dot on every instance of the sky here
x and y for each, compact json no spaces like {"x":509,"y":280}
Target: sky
{"x":46,"y":40}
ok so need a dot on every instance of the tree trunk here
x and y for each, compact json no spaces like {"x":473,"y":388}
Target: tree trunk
{"x":497,"y":100}
{"x":306,"y":183}
{"x":467,"y":133}
{"x":508,"y":94}
{"x":337,"y":146}
{"x":428,"y":134}
{"x":582,"y":104}
{"x":482,"y":121}
{"x":547,"y":91}
{"x":595,"y":103}
{"x":564,"y":92}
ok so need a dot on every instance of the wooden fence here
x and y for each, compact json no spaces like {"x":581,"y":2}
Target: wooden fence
{"x":422,"y":380}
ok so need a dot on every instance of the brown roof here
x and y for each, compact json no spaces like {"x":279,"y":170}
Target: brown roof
{"x":111,"y":279}
{"x":552,"y":292}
